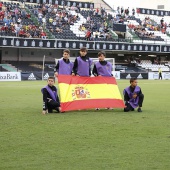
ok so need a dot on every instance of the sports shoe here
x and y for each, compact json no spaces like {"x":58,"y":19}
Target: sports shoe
{"x":50,"y":111}
{"x":126,"y":110}
{"x":109,"y":108}
{"x":97,"y":109}
{"x":44,"y":112}
{"x":139,"y":109}
{"x":57,"y":109}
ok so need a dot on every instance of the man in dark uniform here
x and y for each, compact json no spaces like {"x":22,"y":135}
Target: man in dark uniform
{"x":133,"y":96}
{"x":50,"y":97}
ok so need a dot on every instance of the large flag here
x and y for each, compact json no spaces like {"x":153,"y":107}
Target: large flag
{"x":88,"y":92}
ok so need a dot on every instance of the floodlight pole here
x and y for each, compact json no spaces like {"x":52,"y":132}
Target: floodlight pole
{"x":43,"y":68}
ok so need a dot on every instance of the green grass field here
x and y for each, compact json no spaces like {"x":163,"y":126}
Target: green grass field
{"x":83,"y":140}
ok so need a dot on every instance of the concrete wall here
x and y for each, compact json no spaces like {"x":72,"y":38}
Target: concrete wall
{"x":100,"y":3}
{"x":153,"y":4}
{"x":14,"y":54}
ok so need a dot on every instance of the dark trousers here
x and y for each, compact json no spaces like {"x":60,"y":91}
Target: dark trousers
{"x":160,"y":76}
{"x":53,"y":105}
{"x":130,"y":108}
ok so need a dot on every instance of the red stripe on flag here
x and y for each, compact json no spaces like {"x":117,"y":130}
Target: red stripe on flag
{"x":86,"y":80}
{"x":92,"y":103}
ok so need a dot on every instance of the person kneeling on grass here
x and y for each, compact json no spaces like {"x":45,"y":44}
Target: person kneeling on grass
{"x":50,"y":97}
{"x":133,"y":96}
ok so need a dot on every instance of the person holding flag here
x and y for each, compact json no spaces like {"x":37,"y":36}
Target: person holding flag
{"x":102,"y":68}
{"x":64,"y":66}
{"x":82,"y":64}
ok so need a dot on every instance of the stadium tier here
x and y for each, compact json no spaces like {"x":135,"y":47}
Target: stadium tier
{"x":75,"y":21}
{"x":61,"y":24}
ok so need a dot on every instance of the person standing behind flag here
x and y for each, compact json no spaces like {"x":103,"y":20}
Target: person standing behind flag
{"x":64,"y":66}
{"x":102,"y":67}
{"x":133,"y":96}
{"x":82,"y":64}
{"x":160,"y":73}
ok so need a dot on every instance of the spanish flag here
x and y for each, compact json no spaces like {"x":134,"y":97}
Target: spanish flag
{"x":78,"y":93}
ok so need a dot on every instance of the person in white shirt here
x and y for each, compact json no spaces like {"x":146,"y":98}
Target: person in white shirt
{"x":44,"y":21}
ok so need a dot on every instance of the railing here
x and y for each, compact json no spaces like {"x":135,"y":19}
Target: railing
{"x":114,"y":39}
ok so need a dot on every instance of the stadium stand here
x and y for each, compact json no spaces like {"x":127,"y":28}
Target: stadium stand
{"x":147,"y":64}
{"x":72,"y":22}
{"x":26,"y":66}
{"x":8,"y":67}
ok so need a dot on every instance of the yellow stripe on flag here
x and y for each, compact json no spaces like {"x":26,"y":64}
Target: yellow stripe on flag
{"x":72,"y":92}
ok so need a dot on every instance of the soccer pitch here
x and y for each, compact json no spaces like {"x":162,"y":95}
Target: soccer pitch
{"x":83,"y":140}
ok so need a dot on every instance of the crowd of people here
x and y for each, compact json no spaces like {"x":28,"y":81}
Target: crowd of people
{"x":55,"y":18}
{"x":142,"y":33}
{"x":97,"y":24}
{"x":146,"y":29}
{"x":12,"y":22}
{"x":95,"y":30}
{"x":16,"y":21}
{"x":125,"y":12}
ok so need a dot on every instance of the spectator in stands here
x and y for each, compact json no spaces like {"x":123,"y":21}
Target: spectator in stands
{"x":35,"y":33}
{"x":121,"y":11}
{"x":133,"y":96}
{"x":102,"y":11}
{"x":88,"y":35}
{"x":44,"y":21}
{"x":118,"y":10}
{"x":58,"y":30}
{"x":162,"y":22}
{"x":22,"y":33}
{"x":78,"y":9}
{"x":108,"y":36}
{"x":83,"y":28}
{"x":51,"y":20}
{"x":97,"y":12}
{"x":17,"y":29}
{"x":0,"y":6}
{"x":19,"y":20}
{"x":50,"y":97}
{"x":101,"y":29}
{"x":133,"y":12}
{"x":40,"y":15}
{"x":127,"y":11}
{"x":43,"y":35}
{"x":51,"y":30}
{"x":96,"y":35}
{"x":88,"y":19}
{"x":80,"y":28}
{"x":54,"y":22}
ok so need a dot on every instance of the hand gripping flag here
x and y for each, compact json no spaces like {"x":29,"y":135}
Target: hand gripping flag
{"x":88,"y":92}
